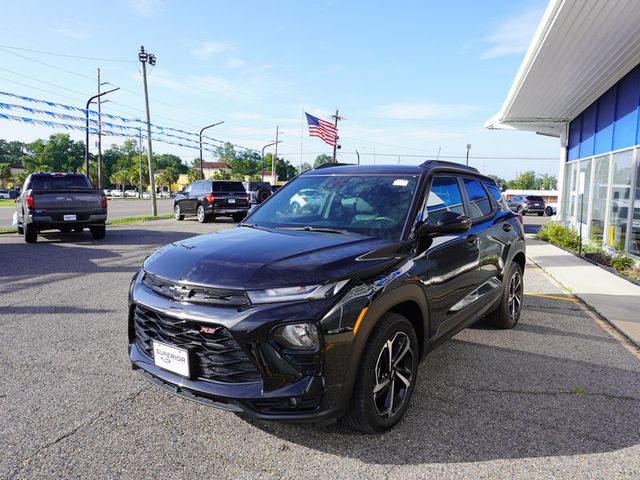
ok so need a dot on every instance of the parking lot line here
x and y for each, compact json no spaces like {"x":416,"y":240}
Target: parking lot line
{"x":552,"y":297}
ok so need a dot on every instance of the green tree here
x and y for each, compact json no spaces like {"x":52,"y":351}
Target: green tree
{"x":168,"y":177}
{"x":221,"y":175}
{"x":524,"y":181}
{"x":501,"y":182}
{"x":5,"y":174}
{"x":194,"y":174}
{"x":548,"y":182}
{"x":285,"y":170}
{"x":323,"y":158}
{"x":304,"y":167}
{"x":93,"y":171}
{"x":57,"y":154}
{"x":119,"y":178}
{"x":12,"y":152}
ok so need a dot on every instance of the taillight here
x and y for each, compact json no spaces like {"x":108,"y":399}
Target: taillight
{"x":29,"y":200}
{"x":248,"y":198}
{"x":209,"y":197}
{"x":104,"y":200}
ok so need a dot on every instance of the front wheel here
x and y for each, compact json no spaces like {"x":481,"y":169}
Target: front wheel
{"x":549,"y":211}
{"x":386,"y":376}
{"x":178,"y":213}
{"x":507,"y":314}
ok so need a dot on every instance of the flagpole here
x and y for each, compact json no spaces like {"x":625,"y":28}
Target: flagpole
{"x":336,"y":117}
{"x":301,"y":134}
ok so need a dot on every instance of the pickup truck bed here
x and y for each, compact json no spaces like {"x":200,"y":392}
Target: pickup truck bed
{"x":60,"y":201}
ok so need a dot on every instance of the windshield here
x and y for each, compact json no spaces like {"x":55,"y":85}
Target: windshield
{"x":51,"y":182}
{"x":372,"y":205}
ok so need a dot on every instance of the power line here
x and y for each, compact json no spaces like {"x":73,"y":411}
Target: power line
{"x":80,"y":57}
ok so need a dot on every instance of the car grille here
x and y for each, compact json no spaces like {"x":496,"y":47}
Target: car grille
{"x":180,"y":292}
{"x":215,"y":355}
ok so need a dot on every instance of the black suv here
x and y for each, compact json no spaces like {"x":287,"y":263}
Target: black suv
{"x":208,"y":199}
{"x":324,"y":309}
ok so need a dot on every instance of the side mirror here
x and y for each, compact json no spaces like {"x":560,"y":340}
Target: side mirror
{"x":447,"y":223}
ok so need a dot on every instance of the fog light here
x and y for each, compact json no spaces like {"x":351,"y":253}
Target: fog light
{"x":299,"y":336}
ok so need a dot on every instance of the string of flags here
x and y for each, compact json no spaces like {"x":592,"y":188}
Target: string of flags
{"x":116,"y":129}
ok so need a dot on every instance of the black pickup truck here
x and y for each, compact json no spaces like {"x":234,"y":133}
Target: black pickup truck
{"x":60,"y":201}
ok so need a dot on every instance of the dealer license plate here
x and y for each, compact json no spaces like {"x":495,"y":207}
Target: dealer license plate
{"x":170,"y":358}
{"x":69,"y":218}
{"x":231,"y":200}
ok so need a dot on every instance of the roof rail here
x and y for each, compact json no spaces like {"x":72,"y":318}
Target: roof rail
{"x":332,"y":164}
{"x":442,"y":163}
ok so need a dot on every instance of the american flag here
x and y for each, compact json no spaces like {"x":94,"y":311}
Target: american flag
{"x":323,"y":129}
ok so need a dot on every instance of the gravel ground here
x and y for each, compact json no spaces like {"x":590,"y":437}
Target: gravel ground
{"x":557,"y":397}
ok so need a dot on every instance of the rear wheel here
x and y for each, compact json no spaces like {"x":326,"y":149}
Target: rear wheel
{"x":98,"y":232}
{"x":508,"y":312}
{"x":178,"y":213}
{"x":386,"y":376}
{"x":30,"y":232}
{"x":20,"y":229}
{"x":202,"y":216}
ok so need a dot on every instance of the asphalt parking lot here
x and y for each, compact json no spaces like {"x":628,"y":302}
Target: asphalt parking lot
{"x":557,"y":397}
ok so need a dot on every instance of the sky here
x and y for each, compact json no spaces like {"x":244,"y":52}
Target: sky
{"x":411,"y":78}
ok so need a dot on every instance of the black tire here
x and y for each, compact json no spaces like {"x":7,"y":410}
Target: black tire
{"x":99,"y":232}
{"x":20,"y":229}
{"x":540,"y":214}
{"x":178,"y":212}
{"x":548,"y":211}
{"x":238,"y":217}
{"x":202,"y":216}
{"x":30,"y":233}
{"x":262,"y":194}
{"x":376,"y":412}
{"x":507,"y":314}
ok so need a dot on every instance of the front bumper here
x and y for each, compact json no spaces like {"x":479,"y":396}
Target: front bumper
{"x":280,"y":392}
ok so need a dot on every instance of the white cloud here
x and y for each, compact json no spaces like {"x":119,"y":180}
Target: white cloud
{"x":423,"y":111}
{"x":144,"y":8}
{"x":76,"y":31}
{"x":512,"y":36}
{"x":206,"y":50}
{"x":235,"y":62}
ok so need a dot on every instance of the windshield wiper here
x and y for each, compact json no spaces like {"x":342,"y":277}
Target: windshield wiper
{"x":318,"y":229}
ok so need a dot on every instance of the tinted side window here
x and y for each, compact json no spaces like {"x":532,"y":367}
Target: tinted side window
{"x":444,"y":195}
{"x":495,"y":192}
{"x":479,"y":203}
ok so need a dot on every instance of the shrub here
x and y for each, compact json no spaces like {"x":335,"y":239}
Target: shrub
{"x":559,"y":235}
{"x":622,"y":262}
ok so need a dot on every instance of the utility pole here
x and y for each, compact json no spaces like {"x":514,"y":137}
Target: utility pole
{"x":140,"y":151}
{"x":201,"y":166}
{"x":274,"y":175}
{"x":145,"y":57}
{"x":99,"y":135}
{"x":336,"y":117}
{"x":358,"y":154}
{"x":262,"y":157}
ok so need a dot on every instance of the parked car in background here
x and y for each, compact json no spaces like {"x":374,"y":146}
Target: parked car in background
{"x":165,"y":194}
{"x":208,"y":199}
{"x":258,"y":191}
{"x":524,"y":204}
{"x":307,"y":199}
{"x":551,"y":209}
{"x":14,"y":193}
{"x":107,"y":192}
{"x":5,"y":194}
{"x":309,"y":315}
{"x":62,"y":201}
{"x":117,"y":193}
{"x":132,"y":193}
{"x":146,"y":195}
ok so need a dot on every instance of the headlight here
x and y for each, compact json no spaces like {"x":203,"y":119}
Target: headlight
{"x":289,"y":294}
{"x":299,"y":336}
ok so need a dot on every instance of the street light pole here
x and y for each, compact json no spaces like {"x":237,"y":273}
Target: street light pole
{"x":468,"y":148}
{"x":145,"y":57}
{"x":262,"y":156}
{"x":86,"y":147}
{"x":140,"y":152}
{"x":208,"y":126}
{"x":274,"y":175}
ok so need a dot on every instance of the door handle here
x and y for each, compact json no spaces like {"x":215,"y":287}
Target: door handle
{"x":472,"y":239}
{"x":506,"y":227}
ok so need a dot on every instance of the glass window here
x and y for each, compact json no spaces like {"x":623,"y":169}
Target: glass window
{"x":479,"y":203}
{"x":51,"y":182}
{"x":372,"y":205}
{"x":620,"y":199}
{"x":582,"y":200}
{"x":444,"y":195}
{"x":495,"y":192}
{"x":599,"y":197}
{"x":228,"y":187}
{"x":634,"y":246}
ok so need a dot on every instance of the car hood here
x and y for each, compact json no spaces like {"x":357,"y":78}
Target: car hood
{"x":250,"y":258}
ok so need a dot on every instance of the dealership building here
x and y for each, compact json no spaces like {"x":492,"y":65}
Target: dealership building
{"x":580,"y":82}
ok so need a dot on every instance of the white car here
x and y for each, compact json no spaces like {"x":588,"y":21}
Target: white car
{"x":117,"y":193}
{"x":107,"y":192}
{"x":165,"y":194}
{"x":4,"y":194}
{"x":551,"y":209}
{"x":131,"y":193}
{"x":146,"y":195}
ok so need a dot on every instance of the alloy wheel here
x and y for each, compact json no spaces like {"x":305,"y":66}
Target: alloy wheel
{"x":393,"y":375}
{"x":177,"y":212}
{"x":515,"y":294}
{"x":200,"y":214}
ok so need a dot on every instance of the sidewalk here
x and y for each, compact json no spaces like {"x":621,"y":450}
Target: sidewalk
{"x":614,"y":298}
